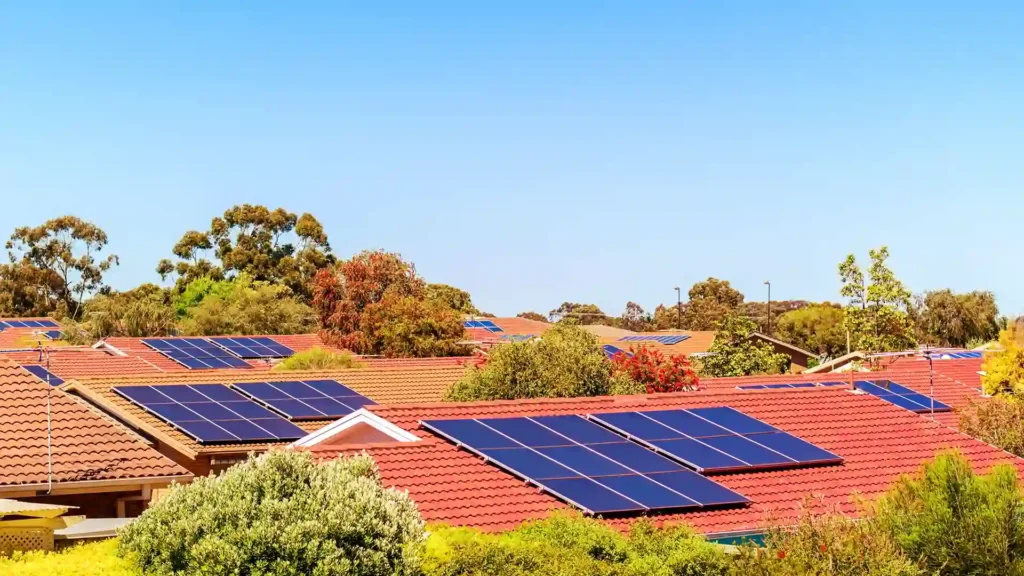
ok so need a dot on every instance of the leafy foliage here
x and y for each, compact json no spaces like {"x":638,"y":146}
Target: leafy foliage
{"x":242,"y":306}
{"x":635,"y":318}
{"x":954,"y":522}
{"x":452,"y":297}
{"x":580,"y":313}
{"x":280,"y":514}
{"x":569,"y":545}
{"x":94,"y":559}
{"x":878,"y":313}
{"x":818,"y":328}
{"x":566,"y":362}
{"x":1004,"y":370}
{"x":651,"y":369}
{"x":998,"y":421}
{"x":375,"y":303}
{"x":54,"y":267}
{"x":735,"y":353}
{"x":318,"y":358}
{"x":140,"y":312}
{"x":948,"y":319}
{"x":532,"y":316}
{"x":710,"y":302}
{"x":274,"y":246}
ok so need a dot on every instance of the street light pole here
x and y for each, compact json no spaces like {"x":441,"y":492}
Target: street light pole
{"x":679,"y":309}
{"x":769,"y":284}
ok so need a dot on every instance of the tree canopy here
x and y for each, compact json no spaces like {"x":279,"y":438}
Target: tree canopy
{"x":817,"y":327}
{"x":532,"y":316}
{"x":580,"y":313}
{"x":948,"y":319}
{"x":878,"y":308}
{"x":242,"y":305}
{"x":710,"y":302}
{"x":452,"y":297}
{"x":735,"y":353}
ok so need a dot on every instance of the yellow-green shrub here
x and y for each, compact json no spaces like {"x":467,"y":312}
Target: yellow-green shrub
{"x":96,"y":559}
{"x":318,"y":359}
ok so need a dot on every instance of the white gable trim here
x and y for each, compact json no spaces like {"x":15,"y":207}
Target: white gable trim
{"x":361,"y":416}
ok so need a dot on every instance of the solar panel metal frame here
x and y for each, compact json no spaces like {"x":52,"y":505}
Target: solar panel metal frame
{"x":749,"y":436}
{"x":274,"y":419}
{"x":287,"y":399}
{"x":510,"y":443}
{"x":40,"y":371}
{"x":218,"y":358}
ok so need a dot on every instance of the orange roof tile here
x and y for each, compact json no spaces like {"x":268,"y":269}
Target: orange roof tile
{"x":510,"y":327}
{"x":698,"y":341}
{"x":878,"y":441}
{"x":77,"y":362}
{"x":86,"y":446}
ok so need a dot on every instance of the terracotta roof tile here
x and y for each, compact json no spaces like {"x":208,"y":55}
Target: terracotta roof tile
{"x":85,"y":444}
{"x":698,"y":341}
{"x":878,"y":441}
{"x":78,"y":362}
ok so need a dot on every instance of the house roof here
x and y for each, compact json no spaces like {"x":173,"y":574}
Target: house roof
{"x":134,"y":347}
{"x":384,"y":385}
{"x":698,"y":341}
{"x":877,"y":440}
{"x":26,"y":337}
{"x":86,"y":445}
{"x":78,"y":362}
{"x":510,"y":327}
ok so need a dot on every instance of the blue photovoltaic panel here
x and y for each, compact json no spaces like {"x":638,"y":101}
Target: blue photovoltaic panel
{"x":585,"y":464}
{"x":955,"y":355}
{"x":902,"y":396}
{"x":306,"y":399}
{"x":43,"y":374}
{"x":717,"y":439}
{"x":668,"y":339}
{"x":195,"y":353}
{"x":28,"y":324}
{"x":52,"y":334}
{"x":212,"y":413}
{"x":787,"y":385}
{"x":488,"y":325}
{"x":611,"y":351}
{"x":253,"y":347}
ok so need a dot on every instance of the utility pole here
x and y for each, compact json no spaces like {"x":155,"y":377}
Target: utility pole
{"x":769,"y":284}
{"x":679,"y":309}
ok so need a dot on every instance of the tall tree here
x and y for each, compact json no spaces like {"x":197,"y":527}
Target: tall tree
{"x":581,"y":313}
{"x":635,"y":318}
{"x":877,"y":314}
{"x":140,"y":312}
{"x":241,"y":305}
{"x":59,"y":264}
{"x":818,"y":328}
{"x":710,"y":302}
{"x":452,"y":297}
{"x":948,"y":319}
{"x":735,"y":353}
{"x":532,"y":316}
{"x":376,"y":303}
{"x":274,"y":246}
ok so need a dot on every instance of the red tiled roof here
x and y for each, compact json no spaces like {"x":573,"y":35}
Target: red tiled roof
{"x":76,"y":362}
{"x":86,"y":446}
{"x":25,"y":337}
{"x":510,"y":327}
{"x":698,"y":341}
{"x":878,"y":441}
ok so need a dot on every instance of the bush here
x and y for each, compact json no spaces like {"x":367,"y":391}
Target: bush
{"x":1004,"y":371}
{"x":241,"y":306}
{"x":280,"y":514}
{"x":318,"y":359}
{"x":96,"y":559}
{"x":570,"y":545}
{"x":998,"y":421}
{"x":656,"y":373}
{"x":954,"y":522}
{"x":566,"y":362}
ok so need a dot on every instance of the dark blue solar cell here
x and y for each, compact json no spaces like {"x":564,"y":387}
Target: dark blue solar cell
{"x":173,"y":412}
{"x":752,"y":387}
{"x":182,"y":393}
{"x":53,"y":334}
{"x":205,"y":431}
{"x":330,"y":407}
{"x":687,"y":423}
{"x":832,"y":383}
{"x":471,"y":433}
{"x":742,"y":449}
{"x":194,"y":363}
{"x":231,"y":362}
{"x":211,"y":411}
{"x":648,"y":493}
{"x":578,"y":429}
{"x":926,"y":402}
{"x":591,"y":496}
{"x":698,"y":455}
{"x":295,"y":408}
{"x":636,"y":425}
{"x":142,"y":394}
{"x":734,"y":420}
{"x":246,"y":431}
{"x":249,"y":409}
{"x":583,"y":460}
{"x":699,"y":488}
{"x":776,"y":386}
{"x":873,"y":389}
{"x":283,"y":429}
{"x":636,"y":457}
{"x":526,"y":432}
{"x":529,"y":464}
{"x":794,"y":447}
{"x":893,"y":387}
{"x":803,"y":385}
{"x":218,"y":392}
{"x":261,"y":390}
{"x":355,"y":402}
{"x":43,"y":374}
{"x":157,"y":343}
{"x":331,"y":388}
{"x":298,"y":390}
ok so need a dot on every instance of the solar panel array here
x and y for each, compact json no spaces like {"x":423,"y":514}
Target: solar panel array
{"x":485,"y":324}
{"x":611,"y":351}
{"x":43,"y":374}
{"x":28,"y":324}
{"x":195,"y":353}
{"x":307,"y":399}
{"x":789,"y":385}
{"x":716,"y":439}
{"x":955,"y":355}
{"x":52,"y":334}
{"x":668,"y":339}
{"x":252,"y":347}
{"x":585,"y":464}
{"x":212,"y":413}
{"x":902,"y":396}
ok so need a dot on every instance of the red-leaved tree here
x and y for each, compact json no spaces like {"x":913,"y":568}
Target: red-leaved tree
{"x":657,"y":372}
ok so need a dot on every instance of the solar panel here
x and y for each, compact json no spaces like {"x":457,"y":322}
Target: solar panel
{"x":212,"y":413}
{"x":611,"y":351}
{"x":306,"y":399}
{"x":471,"y":324}
{"x":52,"y":334}
{"x":668,"y":339}
{"x":717,"y":439}
{"x":43,"y":374}
{"x":585,"y":464}
{"x":253,"y":347}
{"x":195,"y":353}
{"x":902,"y":396}
{"x":787,"y":385}
{"x":29,"y":324}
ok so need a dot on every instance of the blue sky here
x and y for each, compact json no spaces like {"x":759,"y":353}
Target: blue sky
{"x":537,"y":152}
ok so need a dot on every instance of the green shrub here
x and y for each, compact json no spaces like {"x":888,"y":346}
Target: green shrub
{"x":96,"y":559}
{"x":998,"y":421}
{"x":318,"y":359}
{"x":570,"y":545}
{"x":954,"y":522}
{"x":280,"y":514}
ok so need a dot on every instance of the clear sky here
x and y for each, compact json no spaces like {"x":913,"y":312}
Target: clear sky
{"x":539,"y":151}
